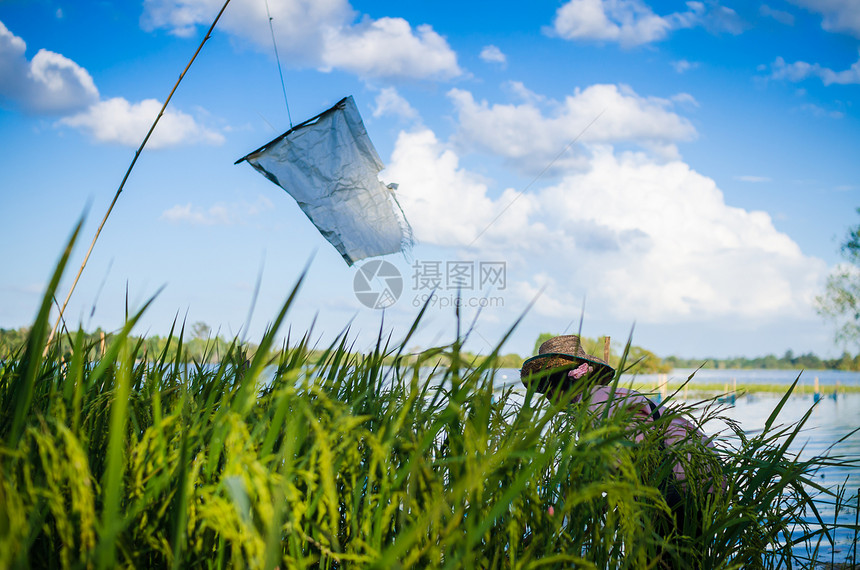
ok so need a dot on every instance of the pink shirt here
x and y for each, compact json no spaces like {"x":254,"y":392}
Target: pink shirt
{"x":643,"y":409}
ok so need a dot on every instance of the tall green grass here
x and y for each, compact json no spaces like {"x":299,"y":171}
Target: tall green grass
{"x":298,"y":458}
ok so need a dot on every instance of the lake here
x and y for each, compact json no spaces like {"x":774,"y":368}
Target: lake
{"x":831,"y":420}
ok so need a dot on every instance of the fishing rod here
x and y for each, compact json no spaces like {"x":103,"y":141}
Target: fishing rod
{"x":128,"y":172}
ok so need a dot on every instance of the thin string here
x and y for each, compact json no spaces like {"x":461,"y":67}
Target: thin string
{"x":278,"y":59}
{"x":536,"y":178}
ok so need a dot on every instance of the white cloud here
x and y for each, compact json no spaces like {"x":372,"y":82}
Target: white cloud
{"x":672,"y":247}
{"x":748,"y":178}
{"x":800,"y":70}
{"x":219,"y":214}
{"x":682,"y":65}
{"x":118,"y":121}
{"x":820,"y":112}
{"x":719,"y":19}
{"x":632,"y":22}
{"x":390,"y":102}
{"x":533,"y":133}
{"x":49,"y":83}
{"x":319,"y":33}
{"x":685,"y":99}
{"x":215,"y":215}
{"x":780,"y":16}
{"x":52,"y":83}
{"x":519,"y":91}
{"x":492,"y":54}
{"x":180,"y":17}
{"x":797,"y":71}
{"x":644,"y":240}
{"x":628,"y":22}
{"x":444,"y":203}
{"x":388,"y":47}
{"x":839,"y":15}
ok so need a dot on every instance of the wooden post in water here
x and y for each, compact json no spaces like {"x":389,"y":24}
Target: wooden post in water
{"x":662,"y":386}
{"x":817,"y":395}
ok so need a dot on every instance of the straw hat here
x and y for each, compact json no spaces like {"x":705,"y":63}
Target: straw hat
{"x":563,"y":353}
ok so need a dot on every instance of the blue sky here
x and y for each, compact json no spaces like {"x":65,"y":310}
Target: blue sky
{"x":713,"y":174}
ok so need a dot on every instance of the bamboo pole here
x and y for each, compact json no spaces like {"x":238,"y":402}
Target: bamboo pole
{"x":128,"y":172}
{"x":606,"y":348}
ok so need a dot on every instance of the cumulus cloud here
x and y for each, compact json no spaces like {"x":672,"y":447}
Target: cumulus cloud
{"x":218,"y":214}
{"x":679,"y":250}
{"x":838,"y":15}
{"x":531,"y":134}
{"x":390,"y":102}
{"x":632,"y":22}
{"x":319,"y":33}
{"x":492,"y":54}
{"x":118,"y":121}
{"x":801,"y":70}
{"x":389,"y":47}
{"x":444,"y":203}
{"x":649,"y":240}
{"x":628,"y":22}
{"x":49,"y":83}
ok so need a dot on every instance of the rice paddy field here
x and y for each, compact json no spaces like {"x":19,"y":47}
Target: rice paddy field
{"x":295,"y":457}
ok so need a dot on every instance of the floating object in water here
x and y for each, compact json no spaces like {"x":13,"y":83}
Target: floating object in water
{"x":728,"y":399}
{"x":329,"y":165}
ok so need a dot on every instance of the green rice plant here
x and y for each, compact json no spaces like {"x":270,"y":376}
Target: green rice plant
{"x":300,"y":456}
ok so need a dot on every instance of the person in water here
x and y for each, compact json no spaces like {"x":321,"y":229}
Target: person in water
{"x":562,"y":367}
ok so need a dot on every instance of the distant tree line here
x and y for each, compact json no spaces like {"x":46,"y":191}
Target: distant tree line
{"x":199,"y":345}
{"x":788,"y":361}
